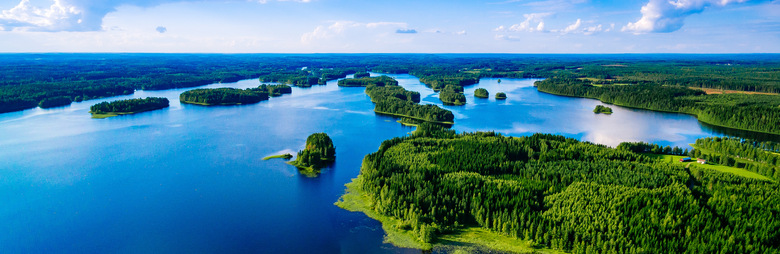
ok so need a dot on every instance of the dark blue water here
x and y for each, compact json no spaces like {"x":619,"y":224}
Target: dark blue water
{"x":191,"y":179}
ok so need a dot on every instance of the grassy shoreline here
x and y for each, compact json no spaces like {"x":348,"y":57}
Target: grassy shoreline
{"x":355,"y":200}
{"x":285,"y":156}
{"x":113,"y":114}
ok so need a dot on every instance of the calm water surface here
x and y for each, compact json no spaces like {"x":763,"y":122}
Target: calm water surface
{"x":191,"y":179}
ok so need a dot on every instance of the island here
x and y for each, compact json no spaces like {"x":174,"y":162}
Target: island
{"x":361,"y":75}
{"x":365,"y":81}
{"x":452,"y":95}
{"x":500,"y":96}
{"x":602,"y":109}
{"x":223,"y":96}
{"x":524,"y":194}
{"x":126,"y":107}
{"x":276,"y":90}
{"x":397,"y":101}
{"x":481,"y":93}
{"x":319,"y":152}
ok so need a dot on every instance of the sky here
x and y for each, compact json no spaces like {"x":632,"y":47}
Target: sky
{"x":399,"y":26}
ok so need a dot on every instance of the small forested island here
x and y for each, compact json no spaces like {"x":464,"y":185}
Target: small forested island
{"x":223,"y":96}
{"x":319,"y":152}
{"x":518,"y":194}
{"x":397,"y":101}
{"x":125,"y":107}
{"x":452,"y":95}
{"x":361,"y":75}
{"x":481,"y":93}
{"x":365,"y":81}
{"x":602,"y":109}
{"x":500,"y":96}
{"x":276,"y":90}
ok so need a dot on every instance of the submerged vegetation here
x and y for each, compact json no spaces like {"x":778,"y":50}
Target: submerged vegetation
{"x":602,"y":109}
{"x":129,"y":106}
{"x":561,"y":193}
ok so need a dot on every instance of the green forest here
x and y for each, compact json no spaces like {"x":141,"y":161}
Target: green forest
{"x":319,"y":151}
{"x":558,"y":192}
{"x":601,"y":109}
{"x":481,"y":93}
{"x":500,"y":96}
{"x":452,"y":95}
{"x":753,"y":112}
{"x":365,"y":81}
{"x":129,"y":106}
{"x":397,"y":101}
{"x":223,"y":96}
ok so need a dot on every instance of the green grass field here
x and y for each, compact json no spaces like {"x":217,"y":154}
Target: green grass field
{"x":721,"y":168}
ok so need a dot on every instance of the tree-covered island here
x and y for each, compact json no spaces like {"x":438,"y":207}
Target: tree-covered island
{"x":601,"y":109}
{"x":365,"y":81}
{"x":452,"y":95}
{"x":223,"y":96}
{"x":318,"y":153}
{"x":129,"y":106}
{"x":481,"y":93}
{"x":500,"y":96}
{"x":518,"y":194}
{"x":397,"y":101}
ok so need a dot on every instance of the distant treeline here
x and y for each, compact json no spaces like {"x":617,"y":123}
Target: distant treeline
{"x":129,"y":106}
{"x":754,"y":112}
{"x":50,"y":80}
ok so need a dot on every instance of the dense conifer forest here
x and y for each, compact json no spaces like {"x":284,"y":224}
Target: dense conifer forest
{"x":397,"y":101}
{"x":566,"y":194}
{"x":365,"y":81}
{"x":481,"y":93}
{"x":129,"y":106}
{"x":319,"y":151}
{"x":223,"y":96}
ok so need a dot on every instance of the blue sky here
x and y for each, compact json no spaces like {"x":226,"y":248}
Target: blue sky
{"x":348,"y":26}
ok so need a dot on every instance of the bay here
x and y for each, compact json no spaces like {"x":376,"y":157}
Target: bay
{"x":191,"y":179}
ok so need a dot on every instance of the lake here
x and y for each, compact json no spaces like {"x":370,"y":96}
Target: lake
{"x":191,"y":179}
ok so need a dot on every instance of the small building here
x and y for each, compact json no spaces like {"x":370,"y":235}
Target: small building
{"x":701,"y":161}
{"x":686,"y":159}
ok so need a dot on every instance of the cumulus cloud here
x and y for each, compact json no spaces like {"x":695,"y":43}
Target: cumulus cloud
{"x":339,"y":27}
{"x":534,"y":22}
{"x":72,"y":15}
{"x":664,"y":16}
{"x":161,"y":29}
{"x":406,"y":31}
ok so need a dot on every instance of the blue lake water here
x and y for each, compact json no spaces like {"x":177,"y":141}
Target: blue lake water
{"x":191,"y":179}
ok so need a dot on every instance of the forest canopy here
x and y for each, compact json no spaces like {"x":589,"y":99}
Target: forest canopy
{"x":129,"y":106}
{"x":565,"y":194}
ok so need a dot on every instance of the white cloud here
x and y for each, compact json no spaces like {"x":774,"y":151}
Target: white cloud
{"x":573,"y":27}
{"x":339,"y":27}
{"x":463,"y":32}
{"x":73,"y":15}
{"x":534,"y":22}
{"x":664,"y":16}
